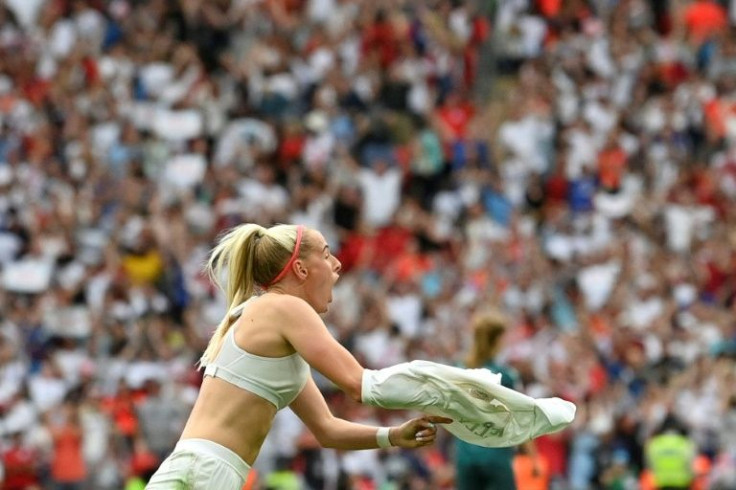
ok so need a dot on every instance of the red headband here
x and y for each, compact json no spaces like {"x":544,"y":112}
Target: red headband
{"x":294,"y":255}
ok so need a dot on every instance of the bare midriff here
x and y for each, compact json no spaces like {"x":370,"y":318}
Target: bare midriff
{"x":230,"y":416}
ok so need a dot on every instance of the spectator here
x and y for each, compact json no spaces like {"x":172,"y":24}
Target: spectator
{"x":20,"y":465}
{"x":670,"y":457}
{"x":530,"y":470}
{"x":704,"y":19}
{"x":161,"y":419}
{"x":68,"y":470}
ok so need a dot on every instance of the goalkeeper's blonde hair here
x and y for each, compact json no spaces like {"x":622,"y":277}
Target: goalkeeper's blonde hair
{"x":488,"y":328}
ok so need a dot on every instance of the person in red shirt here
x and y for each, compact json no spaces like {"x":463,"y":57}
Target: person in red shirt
{"x":556,"y":184}
{"x":454,"y":116}
{"x":68,"y":469}
{"x":531,"y":471}
{"x":703,"y":20}
{"x":21,"y":466}
{"x":121,"y":409}
{"x":379,"y":40}
{"x":611,"y":165}
{"x":410,"y":265}
{"x":291,"y":144}
{"x":553,"y":448}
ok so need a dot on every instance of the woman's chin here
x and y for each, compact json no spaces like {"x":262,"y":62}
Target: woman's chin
{"x":322,"y":308}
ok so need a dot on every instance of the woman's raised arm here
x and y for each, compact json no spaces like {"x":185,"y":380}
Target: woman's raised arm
{"x":308,"y":335}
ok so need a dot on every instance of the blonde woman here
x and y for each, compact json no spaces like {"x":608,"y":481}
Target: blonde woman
{"x":259,"y":358}
{"x":480,"y":467}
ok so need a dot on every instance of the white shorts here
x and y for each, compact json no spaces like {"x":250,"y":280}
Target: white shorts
{"x":199,"y":464}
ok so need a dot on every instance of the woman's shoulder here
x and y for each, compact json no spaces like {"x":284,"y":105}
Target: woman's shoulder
{"x":277,"y":299}
{"x":282,"y":304}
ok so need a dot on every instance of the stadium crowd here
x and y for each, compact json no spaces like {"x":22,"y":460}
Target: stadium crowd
{"x":594,"y":203}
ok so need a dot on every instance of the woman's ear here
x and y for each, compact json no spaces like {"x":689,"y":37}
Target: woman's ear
{"x":300,"y":270}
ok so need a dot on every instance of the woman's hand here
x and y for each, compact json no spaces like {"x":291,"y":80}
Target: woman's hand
{"x":418,"y":432}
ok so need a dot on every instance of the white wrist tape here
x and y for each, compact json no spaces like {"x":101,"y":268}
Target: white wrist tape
{"x":382,"y":437}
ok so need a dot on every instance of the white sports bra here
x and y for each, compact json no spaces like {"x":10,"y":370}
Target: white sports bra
{"x":276,"y":379}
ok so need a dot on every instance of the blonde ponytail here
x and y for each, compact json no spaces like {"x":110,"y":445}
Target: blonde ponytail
{"x":488,"y":328}
{"x":253,"y":255}
{"x":236,"y":251}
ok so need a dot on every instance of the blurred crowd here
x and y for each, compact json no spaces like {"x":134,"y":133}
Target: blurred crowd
{"x":594,"y":202}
